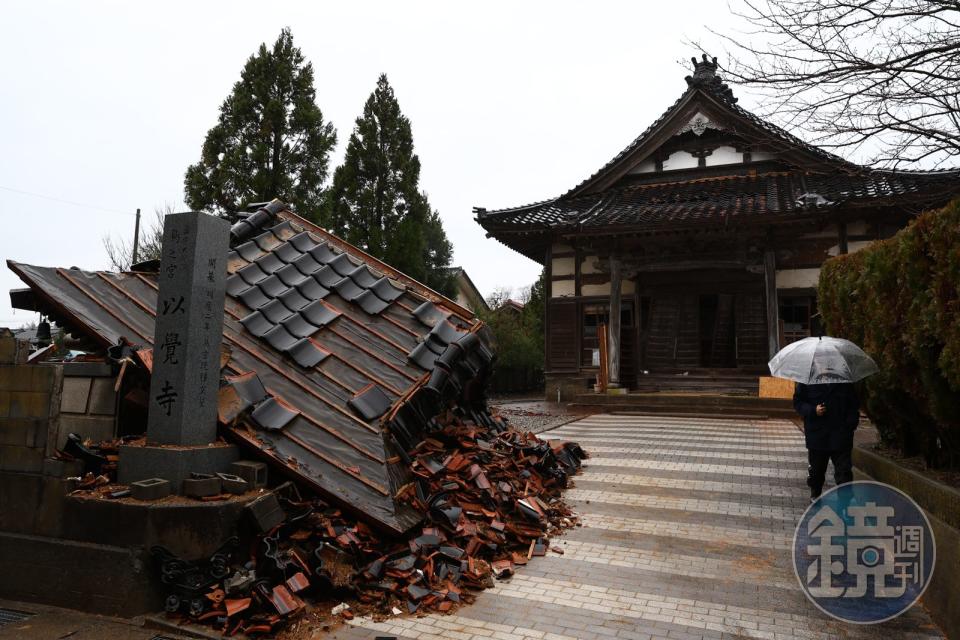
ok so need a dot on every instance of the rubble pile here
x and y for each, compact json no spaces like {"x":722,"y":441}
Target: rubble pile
{"x":490,"y":498}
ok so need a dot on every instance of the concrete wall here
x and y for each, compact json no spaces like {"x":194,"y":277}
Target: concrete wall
{"x":942,"y":506}
{"x":88,"y":403}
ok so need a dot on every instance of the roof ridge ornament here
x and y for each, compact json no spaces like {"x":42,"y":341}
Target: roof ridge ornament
{"x":705,"y":77}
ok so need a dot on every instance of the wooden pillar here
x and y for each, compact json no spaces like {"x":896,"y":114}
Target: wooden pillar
{"x":773,"y":311}
{"x":613,"y":326}
{"x":842,"y":238}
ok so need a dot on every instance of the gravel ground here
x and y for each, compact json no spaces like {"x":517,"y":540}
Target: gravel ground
{"x":533,"y":414}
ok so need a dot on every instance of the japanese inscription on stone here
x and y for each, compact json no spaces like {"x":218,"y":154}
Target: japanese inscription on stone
{"x":189,"y":327}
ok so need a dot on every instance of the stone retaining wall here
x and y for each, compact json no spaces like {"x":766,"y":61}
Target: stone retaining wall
{"x":942,"y":506}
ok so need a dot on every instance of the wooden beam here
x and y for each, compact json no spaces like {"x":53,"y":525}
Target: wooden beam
{"x":773,"y":311}
{"x":613,"y":326}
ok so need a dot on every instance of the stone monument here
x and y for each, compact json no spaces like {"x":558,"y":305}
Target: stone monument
{"x":182,"y":415}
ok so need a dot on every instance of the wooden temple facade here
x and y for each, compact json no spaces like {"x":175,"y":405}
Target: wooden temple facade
{"x":707,"y":233}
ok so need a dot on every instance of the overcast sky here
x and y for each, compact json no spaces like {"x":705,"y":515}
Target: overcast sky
{"x":106,"y":104}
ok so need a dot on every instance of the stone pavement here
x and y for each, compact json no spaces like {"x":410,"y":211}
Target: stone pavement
{"x":687,"y":529}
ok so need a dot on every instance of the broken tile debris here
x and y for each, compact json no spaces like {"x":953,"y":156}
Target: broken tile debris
{"x":490,"y":498}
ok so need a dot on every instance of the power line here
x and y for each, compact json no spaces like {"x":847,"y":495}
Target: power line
{"x":70,"y":202}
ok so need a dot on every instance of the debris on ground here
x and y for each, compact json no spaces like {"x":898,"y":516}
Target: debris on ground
{"x":490,"y":497}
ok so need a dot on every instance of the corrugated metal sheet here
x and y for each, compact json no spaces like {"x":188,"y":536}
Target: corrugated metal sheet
{"x":336,"y":337}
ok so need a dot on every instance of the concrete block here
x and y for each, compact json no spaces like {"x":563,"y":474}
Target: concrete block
{"x":103,"y":399}
{"x":21,"y":459}
{"x":29,"y":404}
{"x":76,"y":392}
{"x":23,"y":432}
{"x":88,"y":369}
{"x":151,"y":489}
{"x":8,"y":349}
{"x":232,"y":483}
{"x":62,"y":468}
{"x":96,"y":428}
{"x":13,"y":351}
{"x":255,"y":473}
{"x":32,"y":377}
{"x":266,"y":512}
{"x":173,"y":463}
{"x":201,"y":487}
{"x":116,"y":581}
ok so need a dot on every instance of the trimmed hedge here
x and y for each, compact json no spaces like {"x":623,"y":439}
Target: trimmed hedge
{"x":899,"y":299}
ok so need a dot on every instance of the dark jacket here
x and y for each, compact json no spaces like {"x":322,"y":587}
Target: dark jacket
{"x":832,"y":431}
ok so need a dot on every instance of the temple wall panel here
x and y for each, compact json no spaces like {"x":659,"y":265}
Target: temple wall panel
{"x":797,"y":278}
{"x":724,"y":155}
{"x":562,"y":289}
{"x":563,"y":266}
{"x":589,"y":265}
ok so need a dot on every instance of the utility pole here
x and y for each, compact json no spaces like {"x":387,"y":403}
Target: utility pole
{"x":136,"y":240}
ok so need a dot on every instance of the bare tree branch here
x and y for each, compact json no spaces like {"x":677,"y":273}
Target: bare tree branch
{"x":120,"y":252}
{"x":856,"y":72}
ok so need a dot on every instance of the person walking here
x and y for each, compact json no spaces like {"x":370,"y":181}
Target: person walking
{"x":831,"y":413}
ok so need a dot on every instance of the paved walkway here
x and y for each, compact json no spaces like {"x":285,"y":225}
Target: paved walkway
{"x":687,"y":526}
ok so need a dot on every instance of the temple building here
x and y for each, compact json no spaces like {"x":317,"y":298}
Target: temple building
{"x":707,"y":232}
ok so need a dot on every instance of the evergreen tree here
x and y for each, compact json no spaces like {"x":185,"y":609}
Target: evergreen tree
{"x":271,"y":140}
{"x":375,"y":201}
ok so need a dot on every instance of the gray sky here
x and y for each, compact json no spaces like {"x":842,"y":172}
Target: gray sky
{"x":107,"y":103}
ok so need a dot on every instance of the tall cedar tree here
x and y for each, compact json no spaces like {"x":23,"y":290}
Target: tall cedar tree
{"x":375,"y":201}
{"x":271,"y":140}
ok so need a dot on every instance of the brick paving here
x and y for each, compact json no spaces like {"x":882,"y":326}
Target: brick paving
{"x":687,"y":531}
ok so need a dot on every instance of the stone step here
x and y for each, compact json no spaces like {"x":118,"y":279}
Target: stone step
{"x":684,"y":404}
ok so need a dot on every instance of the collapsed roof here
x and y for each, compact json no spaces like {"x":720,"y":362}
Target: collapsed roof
{"x":337,"y":362}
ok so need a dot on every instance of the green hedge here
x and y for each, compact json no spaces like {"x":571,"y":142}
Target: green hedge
{"x":900,"y":300}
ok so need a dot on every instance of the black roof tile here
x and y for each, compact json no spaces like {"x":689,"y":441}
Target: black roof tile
{"x":370,"y":303}
{"x":307,"y":264}
{"x":312,"y":290}
{"x":323,"y":254}
{"x":273,"y":286}
{"x":348,"y":289}
{"x":254,"y":297}
{"x":279,"y":338}
{"x":273,"y":415}
{"x":370,"y":403}
{"x":385,"y":290}
{"x":319,"y":313}
{"x":287,"y":252}
{"x":293,"y":300}
{"x":270,"y":263}
{"x":423,"y":356}
{"x":275,"y":311}
{"x":236,"y":285}
{"x":252,"y":273}
{"x":267,"y":241}
{"x":257,"y":324}
{"x":327,"y":277}
{"x":363,"y":276}
{"x":303,"y":242}
{"x":342,"y":264}
{"x":299,"y":327}
{"x":430,"y":314}
{"x":249,"y":251}
{"x":292,"y":276}
{"x":308,"y":353}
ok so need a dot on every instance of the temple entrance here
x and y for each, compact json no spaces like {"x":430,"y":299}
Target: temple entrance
{"x":704,"y":331}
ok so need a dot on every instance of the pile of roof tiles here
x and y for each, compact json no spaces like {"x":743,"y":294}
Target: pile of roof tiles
{"x":490,"y":498}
